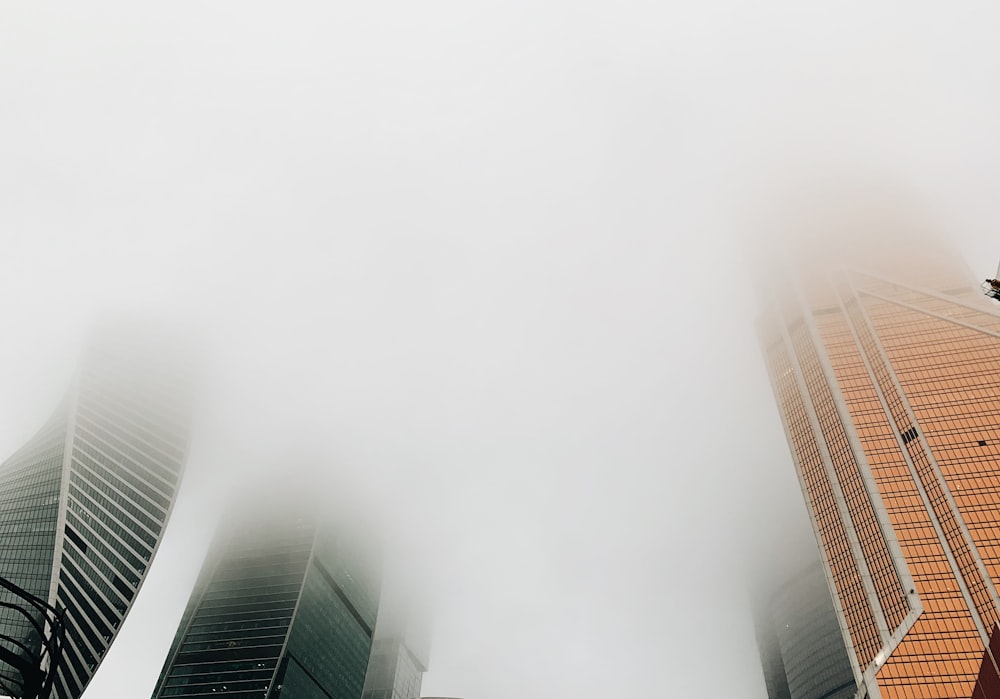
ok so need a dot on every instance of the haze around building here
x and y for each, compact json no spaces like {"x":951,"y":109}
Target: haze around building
{"x":495,"y":263}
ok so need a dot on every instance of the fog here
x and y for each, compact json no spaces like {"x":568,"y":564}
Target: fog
{"x":485,"y":264}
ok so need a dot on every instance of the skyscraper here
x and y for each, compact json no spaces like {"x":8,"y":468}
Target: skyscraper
{"x":395,"y":670}
{"x":83,"y":505}
{"x":801,"y":647}
{"x":399,"y":652}
{"x":285,"y":607}
{"x":885,"y":363}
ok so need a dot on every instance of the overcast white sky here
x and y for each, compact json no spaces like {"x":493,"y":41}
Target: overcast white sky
{"x":491,"y":253}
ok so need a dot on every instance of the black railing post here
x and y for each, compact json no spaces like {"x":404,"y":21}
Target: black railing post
{"x":37,"y":667}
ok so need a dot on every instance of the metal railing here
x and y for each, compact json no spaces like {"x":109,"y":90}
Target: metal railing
{"x":34,"y":665}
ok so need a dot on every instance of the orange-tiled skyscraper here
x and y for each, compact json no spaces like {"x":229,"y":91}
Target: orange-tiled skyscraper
{"x":885,"y":362}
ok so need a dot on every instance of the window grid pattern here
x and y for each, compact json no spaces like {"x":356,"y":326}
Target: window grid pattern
{"x":393,"y":673}
{"x":891,"y":595}
{"x":965,"y":310}
{"x":123,"y":429}
{"x":238,"y":621}
{"x":327,"y":613}
{"x":123,"y":475}
{"x":939,"y":654}
{"x":921,"y":379}
{"x":29,"y":509}
{"x":956,"y":406}
{"x":802,"y":617}
{"x":297,"y":683}
{"x":934,"y":385}
{"x":268,"y":618}
{"x":854,"y":601}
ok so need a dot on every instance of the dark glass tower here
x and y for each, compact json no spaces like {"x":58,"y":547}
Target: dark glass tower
{"x":771,"y":662}
{"x":84,"y":503}
{"x":801,"y":645}
{"x":285,"y":607}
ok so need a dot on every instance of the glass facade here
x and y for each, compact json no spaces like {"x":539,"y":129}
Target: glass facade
{"x":394,"y":671}
{"x":799,"y":638}
{"x":234,"y":636}
{"x":401,"y":648}
{"x":83,"y":505}
{"x":29,"y":511}
{"x":771,"y":663}
{"x":888,"y":384}
{"x":811,"y":645}
{"x":284,"y":608}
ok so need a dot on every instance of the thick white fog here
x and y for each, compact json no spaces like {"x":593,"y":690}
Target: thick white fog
{"x":485,"y":264}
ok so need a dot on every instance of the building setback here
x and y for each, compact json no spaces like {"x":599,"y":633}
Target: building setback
{"x":84,"y":503}
{"x":885,"y":364}
{"x":285,"y":607}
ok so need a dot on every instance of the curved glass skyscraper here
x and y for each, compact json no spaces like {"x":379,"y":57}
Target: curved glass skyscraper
{"x":801,"y":646}
{"x":83,"y":506}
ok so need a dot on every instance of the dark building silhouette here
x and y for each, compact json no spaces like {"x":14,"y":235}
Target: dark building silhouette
{"x":769,"y":648}
{"x":806,"y":643}
{"x":285,"y":607}
{"x":988,"y":681}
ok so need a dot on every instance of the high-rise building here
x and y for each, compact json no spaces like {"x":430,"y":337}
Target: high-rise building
{"x":771,"y":663}
{"x":395,"y":670}
{"x":83,"y":505}
{"x":399,"y":653}
{"x":284,"y":608}
{"x":801,"y":647}
{"x":885,"y":363}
